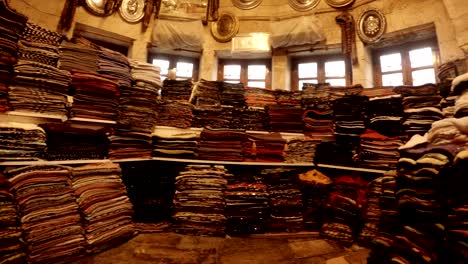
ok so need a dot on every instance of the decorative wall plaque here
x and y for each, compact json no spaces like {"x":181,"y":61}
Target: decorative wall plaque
{"x":371,"y":25}
{"x":225,"y":28}
{"x":246,"y":4}
{"x":102,"y":7}
{"x":303,"y":5}
{"x":132,"y":11}
{"x":339,"y":3}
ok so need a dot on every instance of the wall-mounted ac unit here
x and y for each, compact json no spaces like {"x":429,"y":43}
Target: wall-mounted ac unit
{"x":251,"y":43}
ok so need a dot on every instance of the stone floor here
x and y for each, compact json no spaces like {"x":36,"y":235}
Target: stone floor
{"x":171,"y":248}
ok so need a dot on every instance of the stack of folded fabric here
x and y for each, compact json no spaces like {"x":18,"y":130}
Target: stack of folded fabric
{"x":318,"y":114}
{"x":12,"y":26}
{"x":315,"y":188}
{"x":12,"y":249}
{"x":344,"y":208}
{"x":286,"y":118}
{"x":221,"y":144}
{"x":38,"y":85}
{"x":206,"y":93}
{"x":78,"y":57}
{"x":49,"y":213}
{"x":247,"y":208}
{"x":125,"y":144}
{"x":175,"y":144}
{"x":268,"y":147}
{"x":461,"y":106}
{"x":285,"y":199}
{"x":259,"y":97}
{"x":232,"y":94}
{"x":252,"y":118}
{"x":288,"y":98}
{"x":378,"y":151}
{"x":114,"y":65}
{"x":210,"y":116}
{"x":138,"y":104}
{"x":177,"y":90}
{"x":457,"y":224}
{"x":459,"y":88}
{"x":448,"y":106}
{"x":65,"y":142}
{"x":21,"y":141}
{"x":199,"y":204}
{"x":104,"y":204}
{"x":385,"y":114}
{"x":175,"y":114}
{"x":337,"y":153}
{"x":421,"y":106}
{"x":300,"y":150}
{"x":94,"y":97}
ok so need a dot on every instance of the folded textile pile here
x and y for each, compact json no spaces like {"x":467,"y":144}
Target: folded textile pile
{"x":457,"y":224}
{"x":286,"y":118}
{"x":221,"y":144}
{"x":206,"y":93}
{"x":210,"y":116}
{"x":39,"y":45}
{"x":199,"y":204}
{"x":259,"y":97}
{"x":49,"y":213}
{"x":318,"y":116}
{"x":13,"y":248}
{"x":126,"y":144}
{"x":175,"y":144}
{"x":251,"y":119}
{"x":38,"y":87}
{"x":21,"y":141}
{"x":378,"y":151}
{"x":288,"y":98}
{"x":104,"y":204}
{"x":337,"y":153}
{"x":268,"y":147}
{"x":421,"y":107}
{"x":315,"y":188}
{"x":285,"y":199}
{"x":12,"y":26}
{"x":247,"y":208}
{"x":115,"y":66}
{"x":175,"y":114}
{"x":350,"y":116}
{"x":150,"y":187}
{"x":138,"y":104}
{"x":461,"y":106}
{"x":178,"y":90}
{"x":385,"y":114}
{"x":448,"y":106}
{"x":78,"y":57}
{"x":232,"y":94}
{"x":344,"y":207}
{"x":94,"y":97}
{"x":300,"y":150}
{"x":65,"y":142}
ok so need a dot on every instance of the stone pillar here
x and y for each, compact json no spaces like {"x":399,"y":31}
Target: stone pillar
{"x":458,"y":13}
{"x":281,"y":71}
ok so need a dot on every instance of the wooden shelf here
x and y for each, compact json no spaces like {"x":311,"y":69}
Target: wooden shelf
{"x":89,"y":120}
{"x":243,"y":163}
{"x":350,"y":168}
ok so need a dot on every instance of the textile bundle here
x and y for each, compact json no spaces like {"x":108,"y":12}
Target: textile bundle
{"x":40,"y":45}
{"x":114,"y":65}
{"x":221,"y":144}
{"x":210,"y":116}
{"x":49,"y":212}
{"x":269,"y":147}
{"x":318,"y":114}
{"x":104,"y":204}
{"x":232,"y":94}
{"x":286,"y":118}
{"x":300,"y":150}
{"x":288,"y":98}
{"x":175,"y":114}
{"x":199,"y":204}
{"x":175,"y":144}
{"x":177,"y":90}
{"x":78,"y":57}
{"x":126,"y":144}
{"x":13,"y":248}
{"x":378,"y":151}
{"x":21,"y":142}
{"x":206,"y":93}
{"x":259,"y":97}
{"x":385,"y":114}
{"x":252,"y":118}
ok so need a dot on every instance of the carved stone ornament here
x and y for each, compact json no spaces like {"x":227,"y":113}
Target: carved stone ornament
{"x":246,"y":4}
{"x":132,"y":11}
{"x":339,"y":3}
{"x":225,"y":28}
{"x":303,"y":5}
{"x":371,"y":25}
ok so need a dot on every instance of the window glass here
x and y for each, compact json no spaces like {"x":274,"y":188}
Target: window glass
{"x":301,"y":82}
{"x":163,"y":64}
{"x":336,"y":81}
{"x":390,"y":62}
{"x":256,"y":71}
{"x":307,"y":70}
{"x":256,"y":84}
{"x":184,"y":69}
{"x":335,"y":69}
{"x":392,"y":79}
{"x":423,"y":76}
{"x":232,"y":72}
{"x":421,"y":57}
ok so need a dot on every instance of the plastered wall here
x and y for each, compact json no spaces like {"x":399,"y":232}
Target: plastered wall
{"x":450,"y":18}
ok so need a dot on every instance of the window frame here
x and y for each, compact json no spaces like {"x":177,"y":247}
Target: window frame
{"x":406,"y":69}
{"x":320,"y":60}
{"x":244,"y":63}
{"x":174,"y":59}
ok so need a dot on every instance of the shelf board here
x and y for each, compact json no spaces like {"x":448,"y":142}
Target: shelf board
{"x":90,"y":120}
{"x":245,"y":163}
{"x":50,"y":162}
{"x":350,"y":168}
{"x":36,"y":115}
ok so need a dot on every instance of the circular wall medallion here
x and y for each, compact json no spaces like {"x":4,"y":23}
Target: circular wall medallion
{"x":97,"y":7}
{"x":246,"y":4}
{"x":303,"y":5}
{"x":371,"y":25}
{"x":132,"y":11}
{"x":225,"y":28}
{"x":339,"y":3}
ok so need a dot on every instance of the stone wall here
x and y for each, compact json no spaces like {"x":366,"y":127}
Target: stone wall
{"x":449,"y":17}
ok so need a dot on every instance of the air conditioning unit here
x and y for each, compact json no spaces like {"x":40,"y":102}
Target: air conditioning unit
{"x":251,"y":43}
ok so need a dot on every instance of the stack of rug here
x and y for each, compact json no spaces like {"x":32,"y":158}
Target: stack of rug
{"x":268,"y":147}
{"x":126,"y":144}
{"x":78,"y":57}
{"x":21,"y":142}
{"x":286,"y":118}
{"x":175,"y":114}
{"x":232,"y":94}
{"x":206,"y":93}
{"x":177,"y":90}
{"x":259,"y":97}
{"x":221,"y":144}
{"x":175,"y":144}
{"x":300,"y":149}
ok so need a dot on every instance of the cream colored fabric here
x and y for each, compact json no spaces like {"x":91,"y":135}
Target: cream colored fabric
{"x":296,"y":31}
{"x":175,"y":34}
